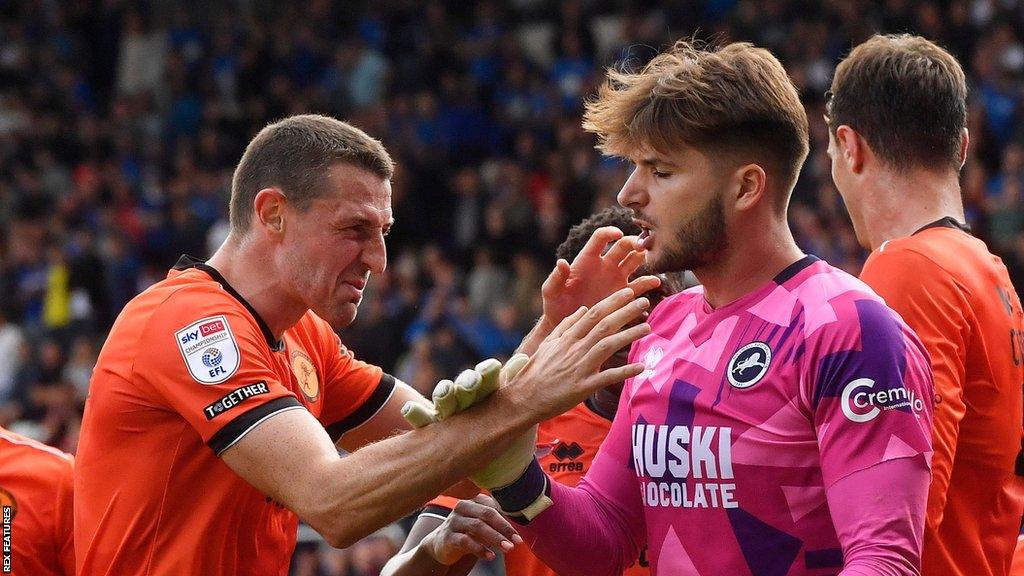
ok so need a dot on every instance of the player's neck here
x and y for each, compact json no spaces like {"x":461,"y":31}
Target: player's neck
{"x":750,"y":261}
{"x":897,"y":205}
{"x":246,"y":270}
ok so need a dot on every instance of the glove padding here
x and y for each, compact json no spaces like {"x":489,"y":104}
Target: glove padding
{"x":470,"y":388}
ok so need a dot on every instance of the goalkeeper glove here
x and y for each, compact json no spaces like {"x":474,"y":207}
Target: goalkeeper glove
{"x":468,"y":389}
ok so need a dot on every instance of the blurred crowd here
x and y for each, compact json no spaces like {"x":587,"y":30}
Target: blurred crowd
{"x":121,"y":122}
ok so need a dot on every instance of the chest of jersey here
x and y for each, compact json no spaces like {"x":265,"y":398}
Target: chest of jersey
{"x":718,"y":394}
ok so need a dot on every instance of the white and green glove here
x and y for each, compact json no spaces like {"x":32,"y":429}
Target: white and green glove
{"x":468,"y":389}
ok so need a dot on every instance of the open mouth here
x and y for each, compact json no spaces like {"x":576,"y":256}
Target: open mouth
{"x":646,"y":234}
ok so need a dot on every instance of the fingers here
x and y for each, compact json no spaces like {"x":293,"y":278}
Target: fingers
{"x":598,"y":240}
{"x":557,"y":278}
{"x":568,"y":322}
{"x":490,"y":502}
{"x":467,"y":386}
{"x":485,"y":499}
{"x":490,"y":372}
{"x":513,"y":366}
{"x":484,"y":525}
{"x":622,"y":247}
{"x":610,"y":344}
{"x":622,"y":298}
{"x":644,"y":284}
{"x":606,"y":378}
{"x":445,"y":401}
{"x":631,"y":262}
{"x":418,"y":415}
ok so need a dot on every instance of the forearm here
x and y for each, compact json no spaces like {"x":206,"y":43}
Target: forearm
{"x":579,"y":534}
{"x":879,"y":517}
{"x":359,"y":502}
{"x":415,"y":562}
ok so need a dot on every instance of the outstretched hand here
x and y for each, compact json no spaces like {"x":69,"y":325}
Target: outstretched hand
{"x":595,"y":274}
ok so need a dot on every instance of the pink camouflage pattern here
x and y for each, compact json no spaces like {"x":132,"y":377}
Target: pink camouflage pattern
{"x":744,"y":416}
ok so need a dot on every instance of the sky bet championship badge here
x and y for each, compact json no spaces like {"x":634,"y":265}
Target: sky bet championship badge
{"x":209,"y":349}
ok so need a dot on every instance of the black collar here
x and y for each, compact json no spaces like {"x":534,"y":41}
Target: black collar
{"x":946,"y":222}
{"x":186,"y":262}
{"x":794,"y":269}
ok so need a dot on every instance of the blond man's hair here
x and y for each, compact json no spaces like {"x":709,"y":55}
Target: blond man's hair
{"x":736,"y":100}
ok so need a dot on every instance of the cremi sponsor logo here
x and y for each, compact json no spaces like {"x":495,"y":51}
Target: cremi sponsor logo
{"x":860,"y":403}
{"x":666,"y":456}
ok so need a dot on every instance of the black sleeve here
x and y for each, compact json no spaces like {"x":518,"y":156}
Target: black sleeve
{"x":373,"y":404}
{"x":240,"y":426}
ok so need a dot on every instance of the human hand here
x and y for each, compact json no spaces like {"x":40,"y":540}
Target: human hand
{"x":567,"y":366}
{"x":473,"y":527}
{"x":594,"y":274}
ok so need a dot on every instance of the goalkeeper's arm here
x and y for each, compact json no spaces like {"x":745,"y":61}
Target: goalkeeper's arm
{"x":448,"y":542}
{"x":594,"y":529}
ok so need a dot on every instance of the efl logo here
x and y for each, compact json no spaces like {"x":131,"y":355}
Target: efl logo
{"x":860,"y":404}
{"x":210,"y":328}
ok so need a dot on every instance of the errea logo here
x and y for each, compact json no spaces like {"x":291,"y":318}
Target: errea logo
{"x":651,"y":359}
{"x":861,"y":404}
{"x":749,"y":365}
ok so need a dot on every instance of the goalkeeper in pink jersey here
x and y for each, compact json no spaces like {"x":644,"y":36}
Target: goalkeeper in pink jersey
{"x":782,"y":423}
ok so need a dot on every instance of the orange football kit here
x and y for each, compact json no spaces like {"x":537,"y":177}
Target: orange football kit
{"x":36,"y":508}
{"x":188,"y":369}
{"x":958,"y":298}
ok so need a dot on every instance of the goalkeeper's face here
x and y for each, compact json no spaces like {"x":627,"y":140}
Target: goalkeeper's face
{"x":334,"y":244}
{"x":678,"y":202}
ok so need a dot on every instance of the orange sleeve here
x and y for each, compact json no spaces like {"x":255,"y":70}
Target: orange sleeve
{"x":938,"y":310}
{"x":65,"y":533}
{"x":207,"y":360}
{"x":353,"y":390}
{"x":444,"y":502}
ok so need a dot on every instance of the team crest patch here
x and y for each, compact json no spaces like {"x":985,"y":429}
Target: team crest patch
{"x":209,"y":349}
{"x":749,"y":364}
{"x":305,"y":375}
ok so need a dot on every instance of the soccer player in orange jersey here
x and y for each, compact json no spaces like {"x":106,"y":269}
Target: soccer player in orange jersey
{"x":35,"y":508}
{"x":220,"y":392}
{"x":566,"y":446}
{"x":898,"y":138}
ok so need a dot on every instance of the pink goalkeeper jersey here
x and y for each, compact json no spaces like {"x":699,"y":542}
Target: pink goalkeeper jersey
{"x":746,"y":414}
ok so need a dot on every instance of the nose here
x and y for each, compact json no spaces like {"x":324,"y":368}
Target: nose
{"x":375,"y":254}
{"x":632,"y":194}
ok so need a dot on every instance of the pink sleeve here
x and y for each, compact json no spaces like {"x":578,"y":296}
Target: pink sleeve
{"x":596,"y":528}
{"x":871,"y":396}
{"x":878,"y":514}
